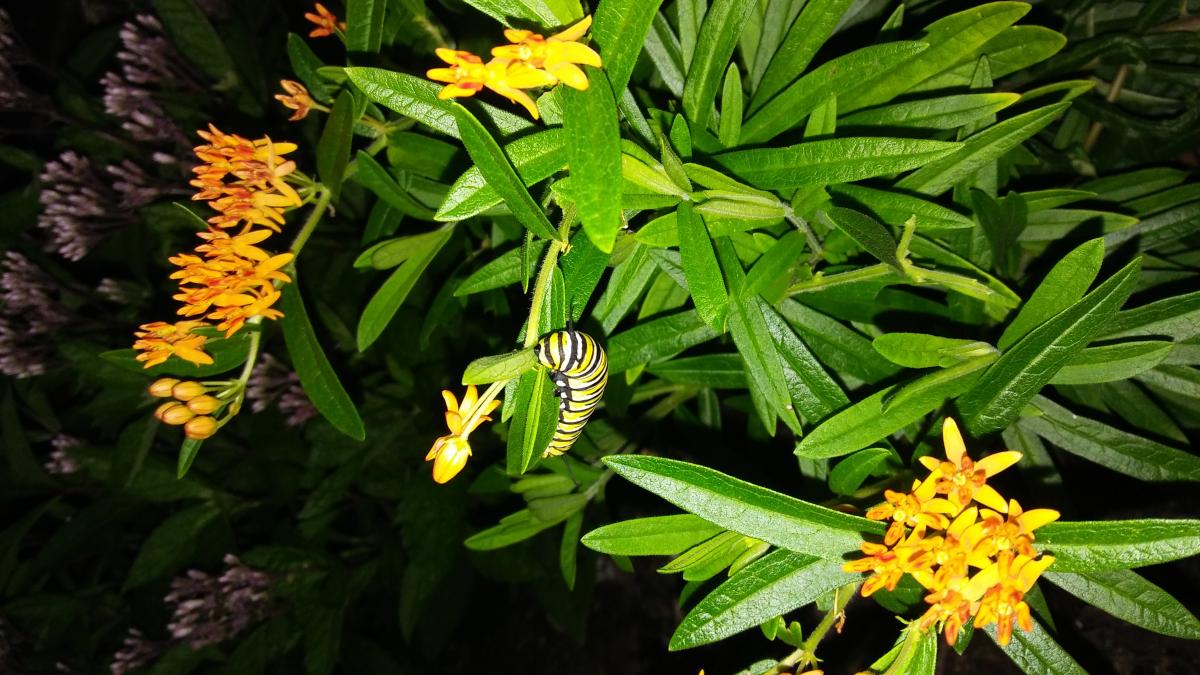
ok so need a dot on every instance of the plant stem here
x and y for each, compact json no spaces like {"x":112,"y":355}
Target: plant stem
{"x":912,"y":638}
{"x":821,"y":282}
{"x":323,"y":197}
{"x":545,"y":272}
{"x":1113,"y":92}
{"x":806,"y":655}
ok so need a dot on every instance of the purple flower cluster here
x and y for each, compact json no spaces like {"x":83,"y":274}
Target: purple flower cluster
{"x":14,"y":95}
{"x":210,"y":610}
{"x":30,"y":312}
{"x":137,"y":651}
{"x":148,"y":61}
{"x":273,"y":382}
{"x":78,"y":209}
{"x":61,"y":462}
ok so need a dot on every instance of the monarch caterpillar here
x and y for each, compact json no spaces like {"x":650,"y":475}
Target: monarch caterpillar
{"x":579,"y":369}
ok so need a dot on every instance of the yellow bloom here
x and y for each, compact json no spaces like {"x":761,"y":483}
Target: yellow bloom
{"x":326,"y":22}
{"x":1013,"y":532}
{"x":961,"y":479}
{"x":918,"y":509}
{"x":465,"y":76}
{"x":557,"y":55}
{"x":888,"y":564}
{"x":159,"y":340}
{"x":450,"y":453}
{"x":1007,"y":581}
{"x":295,"y":97}
{"x":469,"y":74}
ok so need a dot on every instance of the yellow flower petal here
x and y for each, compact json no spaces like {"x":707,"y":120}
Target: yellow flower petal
{"x":573,"y":52}
{"x":570,"y":75}
{"x":953,"y":440}
{"x":1035,"y":518}
{"x":574,"y":32}
{"x":450,"y":399}
{"x":988,"y":496}
{"x":994,"y":464}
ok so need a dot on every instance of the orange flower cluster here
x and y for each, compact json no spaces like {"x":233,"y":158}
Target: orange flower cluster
{"x":529,"y":62}
{"x":325,"y":21}
{"x":938,"y":536}
{"x":228,"y":278}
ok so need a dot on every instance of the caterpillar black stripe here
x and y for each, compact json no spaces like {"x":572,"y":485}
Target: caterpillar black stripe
{"x":579,"y":369}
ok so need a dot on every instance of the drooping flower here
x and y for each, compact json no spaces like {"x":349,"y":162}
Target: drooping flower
{"x":325,"y":21}
{"x":961,"y":479}
{"x":295,"y":97}
{"x":159,"y":340}
{"x":450,"y":453}
{"x":557,"y":54}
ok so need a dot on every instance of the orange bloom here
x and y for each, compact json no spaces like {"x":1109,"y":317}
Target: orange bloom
{"x":888,"y":564}
{"x":1013,"y":532}
{"x":295,"y":97}
{"x":557,"y":55}
{"x":917,"y":509}
{"x":159,"y":340}
{"x":1007,"y":582}
{"x":326,"y":22}
{"x":961,"y":479}
{"x":468,"y":75}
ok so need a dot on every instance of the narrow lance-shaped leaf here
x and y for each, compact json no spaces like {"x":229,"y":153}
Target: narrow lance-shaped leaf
{"x":333,"y":150}
{"x":1128,"y":596}
{"x":620,"y":29}
{"x":745,"y":508}
{"x":317,"y":377}
{"x":1118,"y":544}
{"x":377,"y":179}
{"x":656,"y":339}
{"x":838,"y":160}
{"x":1063,"y":286}
{"x":658,"y":535}
{"x":997,"y":399}
{"x":719,"y":34}
{"x":866,"y":232}
{"x":500,"y":174}
{"x":809,"y":31}
{"x":700,"y":266}
{"x":535,"y":156}
{"x":364,"y":24}
{"x":1036,"y":653}
{"x":594,"y":156}
{"x":533,"y":423}
{"x":387,"y":300}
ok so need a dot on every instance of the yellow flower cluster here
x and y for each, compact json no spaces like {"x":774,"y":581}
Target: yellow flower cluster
{"x":193,"y":406}
{"x":530,"y":61}
{"x":228,"y":278}
{"x":975,"y":561}
{"x":449,"y":453}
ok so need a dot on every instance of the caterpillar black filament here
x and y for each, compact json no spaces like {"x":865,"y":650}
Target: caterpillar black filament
{"x":579,"y":368}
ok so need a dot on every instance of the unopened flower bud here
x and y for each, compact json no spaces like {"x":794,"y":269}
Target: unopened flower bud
{"x":173,"y":413}
{"x":200,"y":428}
{"x":162,"y":387}
{"x":186,"y":391}
{"x":203,"y":405}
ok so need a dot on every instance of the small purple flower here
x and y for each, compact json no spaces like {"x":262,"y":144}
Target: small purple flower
{"x":132,"y":183}
{"x":61,"y":463}
{"x":137,"y":651}
{"x":30,"y":312}
{"x":14,"y":95}
{"x":210,"y":610}
{"x":273,"y":382}
{"x":78,"y":209}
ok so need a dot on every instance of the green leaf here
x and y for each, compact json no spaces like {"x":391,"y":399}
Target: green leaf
{"x":764,"y":366}
{"x":620,"y":29}
{"x":917,"y":350}
{"x":1037,"y":653}
{"x":895,"y":208}
{"x":705,"y":282}
{"x":659,"y":535}
{"x":1159,"y":229}
{"x":416,"y":97}
{"x":869,"y":421}
{"x":808,"y":32}
{"x":813,"y":391}
{"x":227,"y":353}
{"x":841,"y":348}
{"x":383,"y":305}
{"x":317,"y":377}
{"x":831,"y":80}
{"x":392,"y":252}
{"x":377,"y":179}
{"x":508,"y":268}
{"x":837,"y":160}
{"x":333,"y":150}
{"x":1131,"y":598}
{"x":495,"y":168}
{"x":547,"y":13}
{"x":322,"y":629}
{"x":627,"y":283}
{"x":981,"y":148}
{"x":364,"y":25}
{"x":747,"y":509}
{"x":1110,"y":363}
{"x":775,"y":266}
{"x":730,"y":130}
{"x":1053,"y":224}
{"x":775,"y":584}
{"x":194,"y":36}
{"x":170,"y":545}
{"x":653,"y":340}
{"x":848,"y":475}
{"x":865,"y":231}
{"x":1118,"y":544}
{"x":1063,"y":286}
{"x":568,"y":550}
{"x":997,"y":399}
{"x":533,"y":424}
{"x":594,"y":155}
{"x":1177,"y":317}
{"x":499,"y":368}
{"x":187,"y":454}
{"x":536,"y":157}
{"x":1107,"y":446}
{"x":305,"y":64}
{"x":582,"y":267}
{"x":513,"y":528}
{"x":723,"y":24}
{"x":718,"y":371}
{"x":1134,"y":184}
{"x":945,"y":112}
{"x":952,"y":40}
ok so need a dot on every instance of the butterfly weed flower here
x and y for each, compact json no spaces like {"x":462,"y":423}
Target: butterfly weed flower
{"x":449,"y":453}
{"x":325,"y":21}
{"x":296,"y":97}
{"x":975,"y":563}
{"x":557,"y":54}
{"x":158,"y":341}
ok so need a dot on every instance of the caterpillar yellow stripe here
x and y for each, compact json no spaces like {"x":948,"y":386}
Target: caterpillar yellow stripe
{"x":579,"y":368}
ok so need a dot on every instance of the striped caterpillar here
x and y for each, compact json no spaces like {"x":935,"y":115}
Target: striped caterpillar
{"x":579,"y":368}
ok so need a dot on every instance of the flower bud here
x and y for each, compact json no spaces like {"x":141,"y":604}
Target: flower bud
{"x":186,"y":391}
{"x":203,"y":405}
{"x":173,"y":413}
{"x":200,"y":428}
{"x":162,"y":388}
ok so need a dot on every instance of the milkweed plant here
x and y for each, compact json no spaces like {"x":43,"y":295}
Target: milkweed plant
{"x":826,"y":307}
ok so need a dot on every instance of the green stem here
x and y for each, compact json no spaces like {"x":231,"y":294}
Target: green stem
{"x":806,"y":655}
{"x":314,"y":217}
{"x":821,"y":282}
{"x":545,"y":273}
{"x":911,"y":639}
{"x":254,"y":323}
